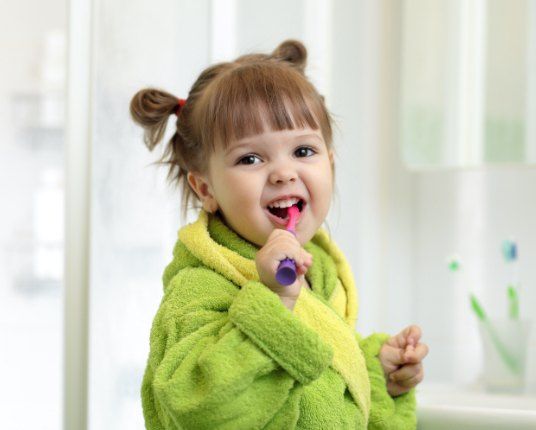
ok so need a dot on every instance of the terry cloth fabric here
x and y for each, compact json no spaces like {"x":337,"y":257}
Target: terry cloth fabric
{"x":225,"y":353}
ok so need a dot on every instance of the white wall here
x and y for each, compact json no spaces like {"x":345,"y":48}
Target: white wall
{"x":373,"y":224}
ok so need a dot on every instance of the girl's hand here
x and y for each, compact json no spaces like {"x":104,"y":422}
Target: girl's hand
{"x":401,"y":358}
{"x":282,"y":244}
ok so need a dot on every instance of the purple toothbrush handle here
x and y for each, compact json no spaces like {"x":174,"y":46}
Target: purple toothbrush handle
{"x":286,"y":272}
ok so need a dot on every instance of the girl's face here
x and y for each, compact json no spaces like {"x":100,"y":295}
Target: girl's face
{"x":259,"y":170}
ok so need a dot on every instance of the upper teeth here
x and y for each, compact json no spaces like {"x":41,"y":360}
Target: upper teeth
{"x":284,"y":203}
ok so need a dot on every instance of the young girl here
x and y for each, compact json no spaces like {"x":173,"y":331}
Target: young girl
{"x":230,"y":348}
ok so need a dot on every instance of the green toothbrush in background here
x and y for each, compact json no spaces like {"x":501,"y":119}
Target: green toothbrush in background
{"x":509,"y":250}
{"x":513,"y":300}
{"x":511,"y":362}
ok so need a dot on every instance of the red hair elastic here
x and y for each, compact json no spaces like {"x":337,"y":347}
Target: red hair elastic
{"x":181,"y":103}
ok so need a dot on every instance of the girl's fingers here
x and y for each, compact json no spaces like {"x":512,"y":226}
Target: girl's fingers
{"x":393,"y":355}
{"x":304,"y":260}
{"x":416,"y":354}
{"x":412,"y":334}
{"x":285,"y":244}
{"x":409,"y":336}
{"x":305,"y":266}
{"x":299,"y":258}
{"x":302,"y":270}
{"x":405,"y":373}
{"x":412,"y":380}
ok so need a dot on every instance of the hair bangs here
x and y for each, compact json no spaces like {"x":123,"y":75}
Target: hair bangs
{"x":254,"y":99}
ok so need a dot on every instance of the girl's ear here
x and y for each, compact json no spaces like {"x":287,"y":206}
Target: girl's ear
{"x":204,"y":191}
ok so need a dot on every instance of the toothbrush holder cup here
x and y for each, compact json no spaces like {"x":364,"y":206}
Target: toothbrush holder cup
{"x":505,"y":344}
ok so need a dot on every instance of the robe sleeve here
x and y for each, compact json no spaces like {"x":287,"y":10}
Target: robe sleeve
{"x":386,"y":412}
{"x":228,"y":358}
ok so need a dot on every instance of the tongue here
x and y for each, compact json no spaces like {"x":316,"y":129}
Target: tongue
{"x":279,"y":212}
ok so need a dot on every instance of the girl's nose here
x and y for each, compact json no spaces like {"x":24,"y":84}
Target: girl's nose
{"x":282,"y":175}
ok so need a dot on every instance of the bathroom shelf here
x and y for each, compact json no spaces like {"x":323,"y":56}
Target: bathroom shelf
{"x":442,"y":407}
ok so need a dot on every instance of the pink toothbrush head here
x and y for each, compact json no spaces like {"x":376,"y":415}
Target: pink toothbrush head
{"x":293,"y":216}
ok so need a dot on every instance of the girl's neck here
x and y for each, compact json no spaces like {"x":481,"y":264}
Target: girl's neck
{"x":221,"y":217}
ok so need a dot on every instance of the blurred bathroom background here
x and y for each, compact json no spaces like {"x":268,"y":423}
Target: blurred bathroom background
{"x":435,"y":103}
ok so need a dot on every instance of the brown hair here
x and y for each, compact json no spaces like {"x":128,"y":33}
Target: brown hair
{"x":230,"y":101}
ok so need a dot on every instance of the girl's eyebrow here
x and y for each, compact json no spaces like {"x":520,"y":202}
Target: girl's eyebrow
{"x":232,"y":148}
{"x":258,"y":142}
{"x":300,"y":136}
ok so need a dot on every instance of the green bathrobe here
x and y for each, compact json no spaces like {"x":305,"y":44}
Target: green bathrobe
{"x":225,"y":353}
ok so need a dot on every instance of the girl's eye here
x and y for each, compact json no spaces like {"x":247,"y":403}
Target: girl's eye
{"x":301,"y":152}
{"x":305,"y":148}
{"x":247,"y":157}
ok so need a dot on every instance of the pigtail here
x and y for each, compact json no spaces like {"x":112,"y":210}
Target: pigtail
{"x":151,"y":109}
{"x":293,"y":52}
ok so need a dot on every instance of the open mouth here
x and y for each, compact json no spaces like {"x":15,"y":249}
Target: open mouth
{"x":282,"y":213}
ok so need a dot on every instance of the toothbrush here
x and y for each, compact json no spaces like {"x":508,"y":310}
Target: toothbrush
{"x":454,"y":266}
{"x":479,"y":311}
{"x":513,"y":299}
{"x":509,"y":249}
{"x":286,"y":271}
